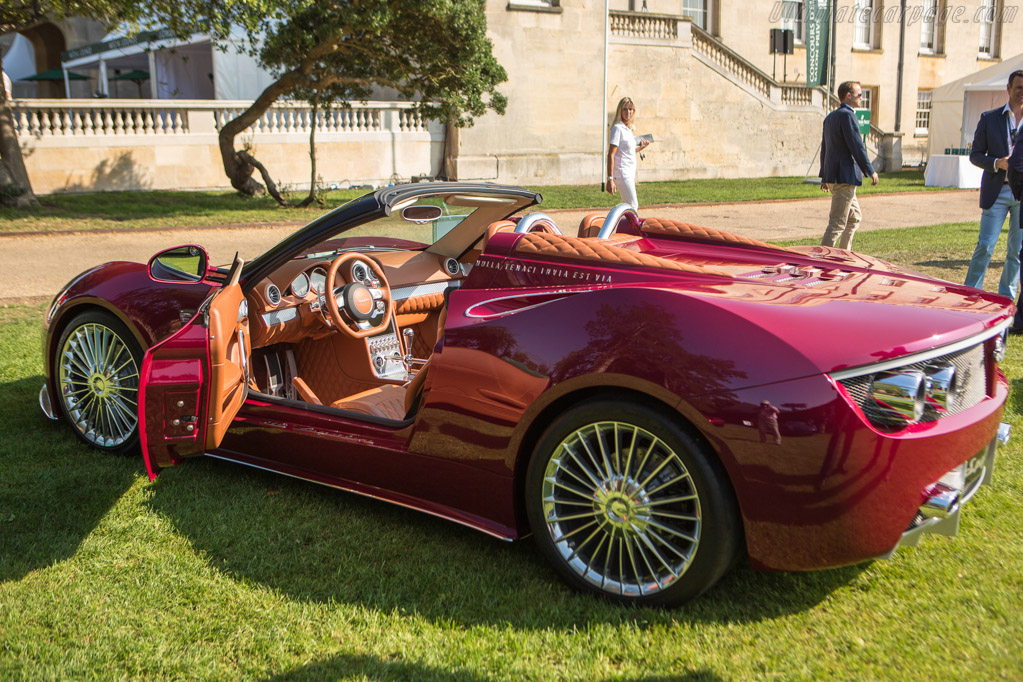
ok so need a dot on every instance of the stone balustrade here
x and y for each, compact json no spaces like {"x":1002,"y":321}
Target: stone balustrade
{"x":60,"y":118}
{"x":76,"y":145}
{"x":644,"y":25}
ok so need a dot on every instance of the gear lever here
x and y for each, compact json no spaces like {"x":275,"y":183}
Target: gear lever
{"x":409,"y":335}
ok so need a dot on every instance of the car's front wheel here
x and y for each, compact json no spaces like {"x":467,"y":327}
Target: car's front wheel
{"x":97,"y":374}
{"x":625,"y":503}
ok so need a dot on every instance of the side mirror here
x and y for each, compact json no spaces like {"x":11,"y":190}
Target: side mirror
{"x":180,"y":264}
{"x":422,"y":213}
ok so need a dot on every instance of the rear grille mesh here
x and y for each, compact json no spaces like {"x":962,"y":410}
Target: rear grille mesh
{"x":970,"y":370}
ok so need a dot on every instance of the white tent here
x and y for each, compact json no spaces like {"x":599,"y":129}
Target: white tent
{"x":178,"y":69}
{"x":956,"y":107}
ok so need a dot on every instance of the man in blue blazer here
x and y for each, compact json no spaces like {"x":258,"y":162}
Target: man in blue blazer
{"x":993,"y":142}
{"x":844,"y":162}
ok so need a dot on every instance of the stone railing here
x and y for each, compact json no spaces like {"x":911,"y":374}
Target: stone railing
{"x":716,"y":51}
{"x":296,"y":117}
{"x":56,"y":118}
{"x":88,"y":145}
{"x":756,"y":80}
{"x":644,"y":25}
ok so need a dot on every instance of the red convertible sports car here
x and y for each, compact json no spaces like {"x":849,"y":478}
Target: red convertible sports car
{"x":650,"y":399}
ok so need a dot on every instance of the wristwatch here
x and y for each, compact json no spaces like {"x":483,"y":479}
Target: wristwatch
{"x":610,"y":177}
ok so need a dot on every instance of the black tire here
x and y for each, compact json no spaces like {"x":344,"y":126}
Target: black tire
{"x":96,"y":375}
{"x":625,"y":504}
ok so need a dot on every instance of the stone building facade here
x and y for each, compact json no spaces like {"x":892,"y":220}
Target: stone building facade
{"x":704,"y":81}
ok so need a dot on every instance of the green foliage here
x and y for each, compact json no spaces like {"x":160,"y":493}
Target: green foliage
{"x":435,"y":52}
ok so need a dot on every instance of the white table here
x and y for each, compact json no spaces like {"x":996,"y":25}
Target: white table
{"x":945,"y":170}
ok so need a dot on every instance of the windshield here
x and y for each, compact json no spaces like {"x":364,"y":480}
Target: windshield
{"x":408,"y":228}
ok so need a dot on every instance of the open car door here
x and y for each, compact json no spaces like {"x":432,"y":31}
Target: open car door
{"x":194,"y":383}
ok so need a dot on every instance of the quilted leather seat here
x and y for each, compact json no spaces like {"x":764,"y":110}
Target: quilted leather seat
{"x":389,"y":401}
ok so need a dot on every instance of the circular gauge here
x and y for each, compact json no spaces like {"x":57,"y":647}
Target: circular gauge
{"x":318,"y":280}
{"x":300,"y":285}
{"x":362,"y":272}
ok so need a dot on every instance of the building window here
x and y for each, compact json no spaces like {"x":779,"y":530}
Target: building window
{"x":923,"y":112}
{"x":988,"y":39}
{"x":698,"y":12}
{"x":529,"y":4}
{"x":792,"y":18}
{"x":929,"y":27}
{"x":867,"y":102}
{"x":863,"y":25}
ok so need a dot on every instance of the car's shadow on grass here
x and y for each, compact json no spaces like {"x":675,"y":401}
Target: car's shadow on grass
{"x":316,"y":544}
{"x":53,"y":489}
{"x":373,"y":668}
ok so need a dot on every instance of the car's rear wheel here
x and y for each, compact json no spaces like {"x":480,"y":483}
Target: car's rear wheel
{"x":624,"y":503}
{"x":97,"y":373}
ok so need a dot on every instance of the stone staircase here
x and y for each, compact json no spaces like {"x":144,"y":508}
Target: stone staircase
{"x":648,"y":28}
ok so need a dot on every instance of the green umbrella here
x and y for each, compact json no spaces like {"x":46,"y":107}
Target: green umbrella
{"x":55,"y":75}
{"x":136,"y":75}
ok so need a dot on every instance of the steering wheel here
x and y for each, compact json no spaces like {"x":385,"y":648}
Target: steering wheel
{"x":355,"y":302}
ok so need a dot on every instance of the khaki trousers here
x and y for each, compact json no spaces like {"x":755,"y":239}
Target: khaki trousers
{"x":844,"y":218}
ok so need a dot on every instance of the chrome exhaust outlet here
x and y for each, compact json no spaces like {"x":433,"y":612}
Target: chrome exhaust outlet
{"x":941,"y":505}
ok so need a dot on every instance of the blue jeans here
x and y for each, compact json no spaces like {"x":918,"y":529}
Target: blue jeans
{"x":991,"y":222}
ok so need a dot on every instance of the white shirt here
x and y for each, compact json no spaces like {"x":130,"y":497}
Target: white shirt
{"x":1012,"y":123}
{"x":625,"y":155}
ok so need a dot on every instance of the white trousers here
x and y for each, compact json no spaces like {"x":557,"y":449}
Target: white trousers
{"x":627,"y":188}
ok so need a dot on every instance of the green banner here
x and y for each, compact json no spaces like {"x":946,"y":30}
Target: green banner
{"x":818,"y":25}
{"x":863,"y":119}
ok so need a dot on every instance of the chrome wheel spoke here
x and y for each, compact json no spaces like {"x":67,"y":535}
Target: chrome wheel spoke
{"x":672,"y":531}
{"x":564,"y":486}
{"x":569,"y":517}
{"x":677,"y":479}
{"x":621,"y":508}
{"x":673,"y":500}
{"x":593,"y":479}
{"x":677,"y":517}
{"x":99,"y":380}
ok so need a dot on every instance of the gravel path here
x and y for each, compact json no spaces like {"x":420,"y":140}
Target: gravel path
{"x":34,"y":267}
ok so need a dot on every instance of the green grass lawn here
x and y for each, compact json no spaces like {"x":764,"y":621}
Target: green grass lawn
{"x":216,"y":571}
{"x":141,"y":210}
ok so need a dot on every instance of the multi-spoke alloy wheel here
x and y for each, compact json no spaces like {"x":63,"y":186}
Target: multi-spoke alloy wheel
{"x":626,"y":505}
{"x":97,"y":369}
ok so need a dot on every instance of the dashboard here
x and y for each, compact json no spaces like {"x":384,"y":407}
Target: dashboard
{"x":287,"y":307}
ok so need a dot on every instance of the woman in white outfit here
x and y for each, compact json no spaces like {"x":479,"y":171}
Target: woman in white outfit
{"x":621,"y":154}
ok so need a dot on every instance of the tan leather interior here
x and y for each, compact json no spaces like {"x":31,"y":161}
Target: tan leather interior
{"x":590,"y":225}
{"x":499,"y":226}
{"x":229,"y":355}
{"x":661,"y":226}
{"x":599,"y":250}
{"x":418,"y":304}
{"x":317,"y":360}
{"x":386,"y":401}
{"x":389,"y":401}
{"x":304,"y":392}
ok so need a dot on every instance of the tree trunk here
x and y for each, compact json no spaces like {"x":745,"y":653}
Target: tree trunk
{"x":312,"y":156}
{"x":239,"y":165}
{"x":15,"y":187}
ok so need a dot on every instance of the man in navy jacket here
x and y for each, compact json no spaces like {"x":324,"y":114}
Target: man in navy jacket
{"x":844,"y":162}
{"x":993,"y":142}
